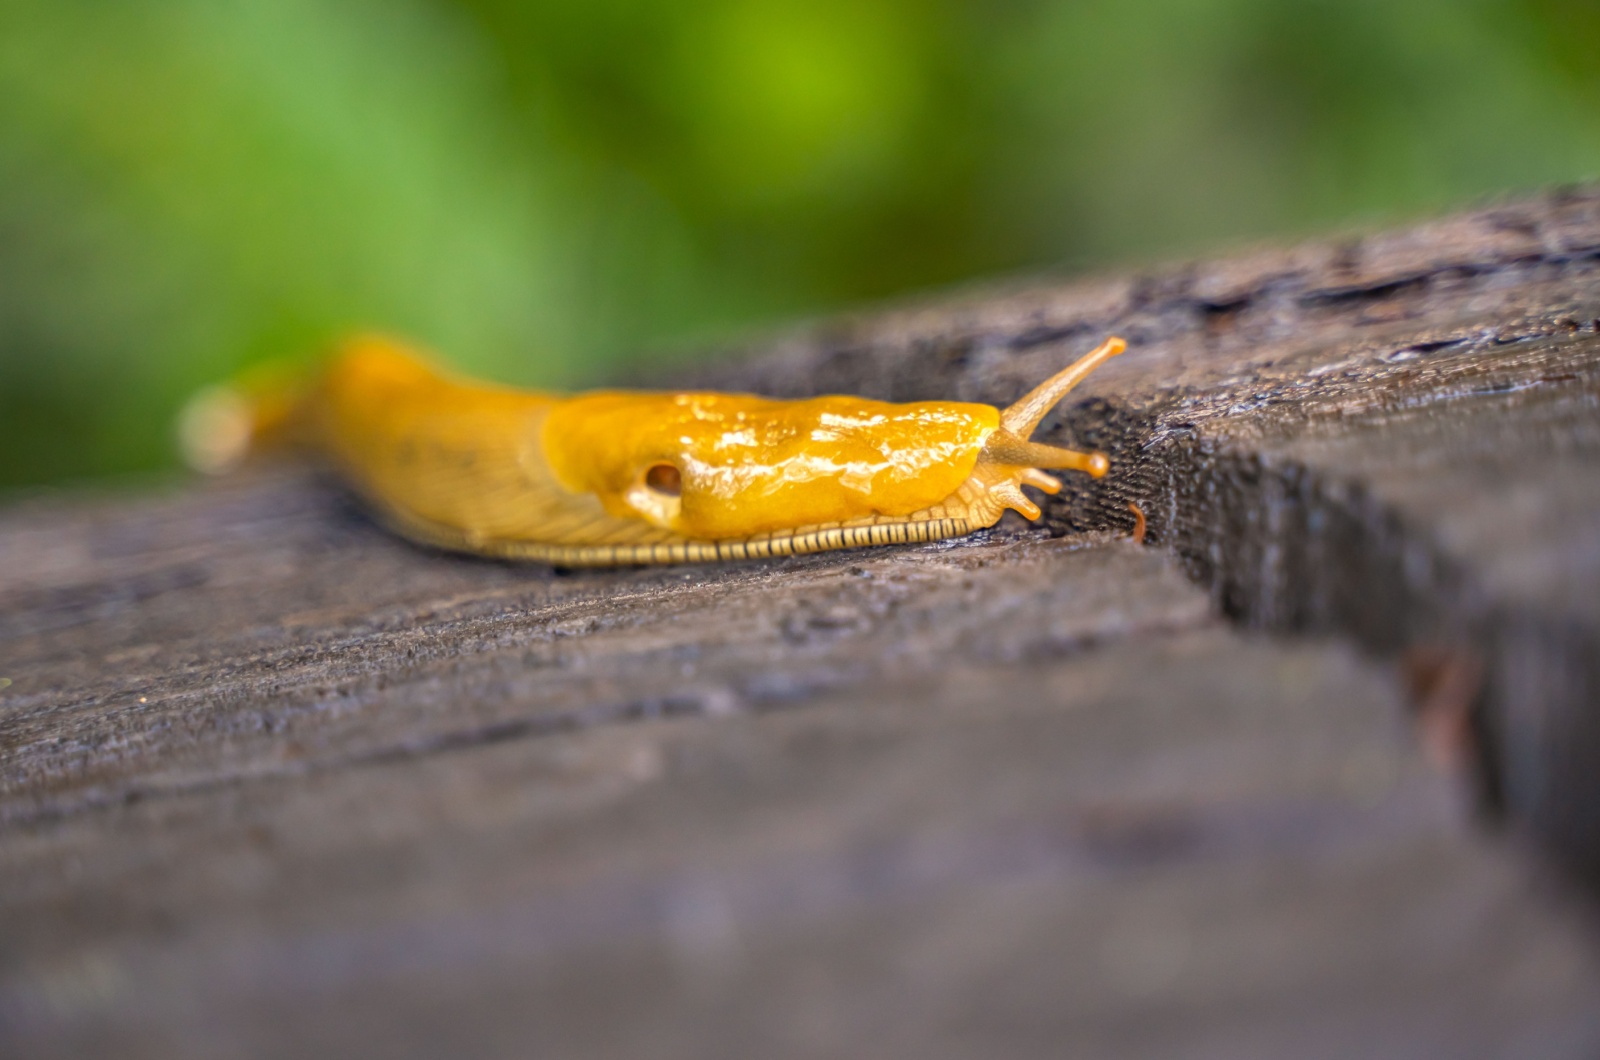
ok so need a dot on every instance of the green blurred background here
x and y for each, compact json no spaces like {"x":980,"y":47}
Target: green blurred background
{"x":547,"y":191}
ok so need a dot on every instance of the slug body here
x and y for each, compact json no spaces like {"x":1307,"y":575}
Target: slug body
{"x":619,"y":477}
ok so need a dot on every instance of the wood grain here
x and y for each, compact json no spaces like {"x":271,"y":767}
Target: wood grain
{"x":1313,"y":773}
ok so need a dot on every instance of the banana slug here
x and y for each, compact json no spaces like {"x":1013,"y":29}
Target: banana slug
{"x":618,"y":477}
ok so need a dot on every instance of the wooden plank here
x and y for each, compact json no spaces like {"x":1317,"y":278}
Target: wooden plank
{"x":272,"y":781}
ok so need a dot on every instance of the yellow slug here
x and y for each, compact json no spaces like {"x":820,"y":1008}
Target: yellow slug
{"x":620,"y":477}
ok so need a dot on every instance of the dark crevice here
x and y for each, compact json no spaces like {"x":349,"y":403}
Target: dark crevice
{"x":1431,"y":347}
{"x":1381,"y":289}
{"x":1045,"y":334}
{"x":1285,"y":549}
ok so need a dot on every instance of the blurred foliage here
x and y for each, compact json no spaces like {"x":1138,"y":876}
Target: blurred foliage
{"x":545,"y":190}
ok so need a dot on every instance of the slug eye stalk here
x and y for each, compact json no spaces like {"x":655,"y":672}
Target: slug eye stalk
{"x":1009,"y":460}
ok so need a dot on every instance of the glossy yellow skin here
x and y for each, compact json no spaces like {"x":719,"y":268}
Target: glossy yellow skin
{"x":577,"y":480}
{"x":750,"y":465}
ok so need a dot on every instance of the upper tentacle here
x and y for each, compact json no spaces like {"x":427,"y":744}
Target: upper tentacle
{"x":1024,"y":415}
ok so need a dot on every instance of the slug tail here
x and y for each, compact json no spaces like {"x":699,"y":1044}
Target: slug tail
{"x":222,"y":424}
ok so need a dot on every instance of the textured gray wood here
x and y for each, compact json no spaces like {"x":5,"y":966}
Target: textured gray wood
{"x":272,"y":781}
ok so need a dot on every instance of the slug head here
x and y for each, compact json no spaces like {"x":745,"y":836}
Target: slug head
{"x":714,"y":466}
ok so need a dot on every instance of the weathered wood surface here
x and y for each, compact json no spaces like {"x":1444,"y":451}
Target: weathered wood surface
{"x":273,"y":782}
